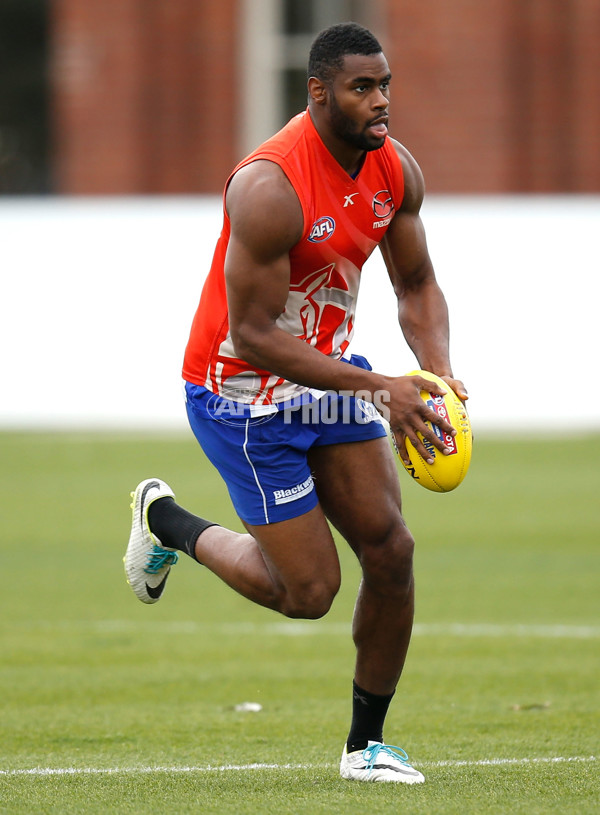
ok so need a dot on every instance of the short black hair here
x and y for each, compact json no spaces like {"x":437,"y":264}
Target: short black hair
{"x":334,"y":43}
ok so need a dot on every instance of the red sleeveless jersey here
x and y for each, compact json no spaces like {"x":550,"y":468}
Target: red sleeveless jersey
{"x":344,"y":220}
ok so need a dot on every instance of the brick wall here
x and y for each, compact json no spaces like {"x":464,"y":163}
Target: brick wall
{"x":143,"y":95}
{"x":494,"y":96}
{"x":498,"y":96}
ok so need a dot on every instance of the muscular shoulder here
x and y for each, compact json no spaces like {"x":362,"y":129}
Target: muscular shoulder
{"x":414,"y":183}
{"x":263,"y":206}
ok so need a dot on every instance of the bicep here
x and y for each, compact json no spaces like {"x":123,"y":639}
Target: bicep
{"x":266,"y":222}
{"x":422,"y":310}
{"x":405,"y":252}
{"x":404,"y":247}
{"x":256,"y":288}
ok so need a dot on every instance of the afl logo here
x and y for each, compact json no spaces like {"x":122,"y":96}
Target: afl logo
{"x":322,"y":229}
{"x":383,"y":204}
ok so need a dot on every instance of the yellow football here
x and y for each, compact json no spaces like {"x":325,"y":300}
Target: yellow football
{"x":447,"y":471}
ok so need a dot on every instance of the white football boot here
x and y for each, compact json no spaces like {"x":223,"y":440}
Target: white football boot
{"x":379,"y":762}
{"x":147,"y":562}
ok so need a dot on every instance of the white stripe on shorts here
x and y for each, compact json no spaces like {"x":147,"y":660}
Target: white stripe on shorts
{"x":264,"y":497}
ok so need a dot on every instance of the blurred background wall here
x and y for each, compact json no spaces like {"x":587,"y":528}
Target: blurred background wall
{"x":121,"y":119}
{"x":164,"y":96}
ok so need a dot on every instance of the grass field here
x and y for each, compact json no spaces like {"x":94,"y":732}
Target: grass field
{"x":112,"y":706}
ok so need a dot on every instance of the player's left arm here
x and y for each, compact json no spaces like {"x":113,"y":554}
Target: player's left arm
{"x":422,"y":308}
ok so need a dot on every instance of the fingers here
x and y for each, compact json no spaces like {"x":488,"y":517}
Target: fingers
{"x":428,"y":385}
{"x":458,"y":387}
{"x":424,"y":438}
{"x":423,"y":427}
{"x":399,"y":442}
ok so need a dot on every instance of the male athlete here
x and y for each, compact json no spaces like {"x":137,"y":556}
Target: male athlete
{"x":282,"y":411}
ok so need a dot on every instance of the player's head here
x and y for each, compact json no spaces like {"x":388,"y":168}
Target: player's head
{"x":333,"y":44}
{"x":348,"y":87}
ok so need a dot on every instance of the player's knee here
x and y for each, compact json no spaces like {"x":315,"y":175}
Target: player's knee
{"x":312,"y":601}
{"x":387,"y":558}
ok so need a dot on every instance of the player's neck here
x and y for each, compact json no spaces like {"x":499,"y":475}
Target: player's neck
{"x":350,"y":158}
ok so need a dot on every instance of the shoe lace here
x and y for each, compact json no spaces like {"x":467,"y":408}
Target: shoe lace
{"x":371,"y":753}
{"x":158,"y":558}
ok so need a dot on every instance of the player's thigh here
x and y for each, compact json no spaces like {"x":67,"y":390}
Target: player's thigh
{"x":301,"y":556}
{"x":358,"y":488}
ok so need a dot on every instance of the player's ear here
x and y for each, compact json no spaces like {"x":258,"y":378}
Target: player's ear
{"x":317,"y":90}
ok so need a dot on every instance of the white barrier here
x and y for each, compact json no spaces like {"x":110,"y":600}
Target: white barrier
{"x":98,"y":296}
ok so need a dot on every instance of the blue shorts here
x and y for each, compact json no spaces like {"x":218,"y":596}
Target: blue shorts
{"x":263,"y":459}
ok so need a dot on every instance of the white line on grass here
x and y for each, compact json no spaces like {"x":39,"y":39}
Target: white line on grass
{"x":486,"y":762}
{"x":308,"y":628}
{"x":571,"y":632}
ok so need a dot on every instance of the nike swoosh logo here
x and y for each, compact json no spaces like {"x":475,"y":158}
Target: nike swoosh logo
{"x":391,"y":767}
{"x":157,"y":590}
{"x":148,"y":486}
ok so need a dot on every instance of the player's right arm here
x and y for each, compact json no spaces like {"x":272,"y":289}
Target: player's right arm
{"x":266,"y":223}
